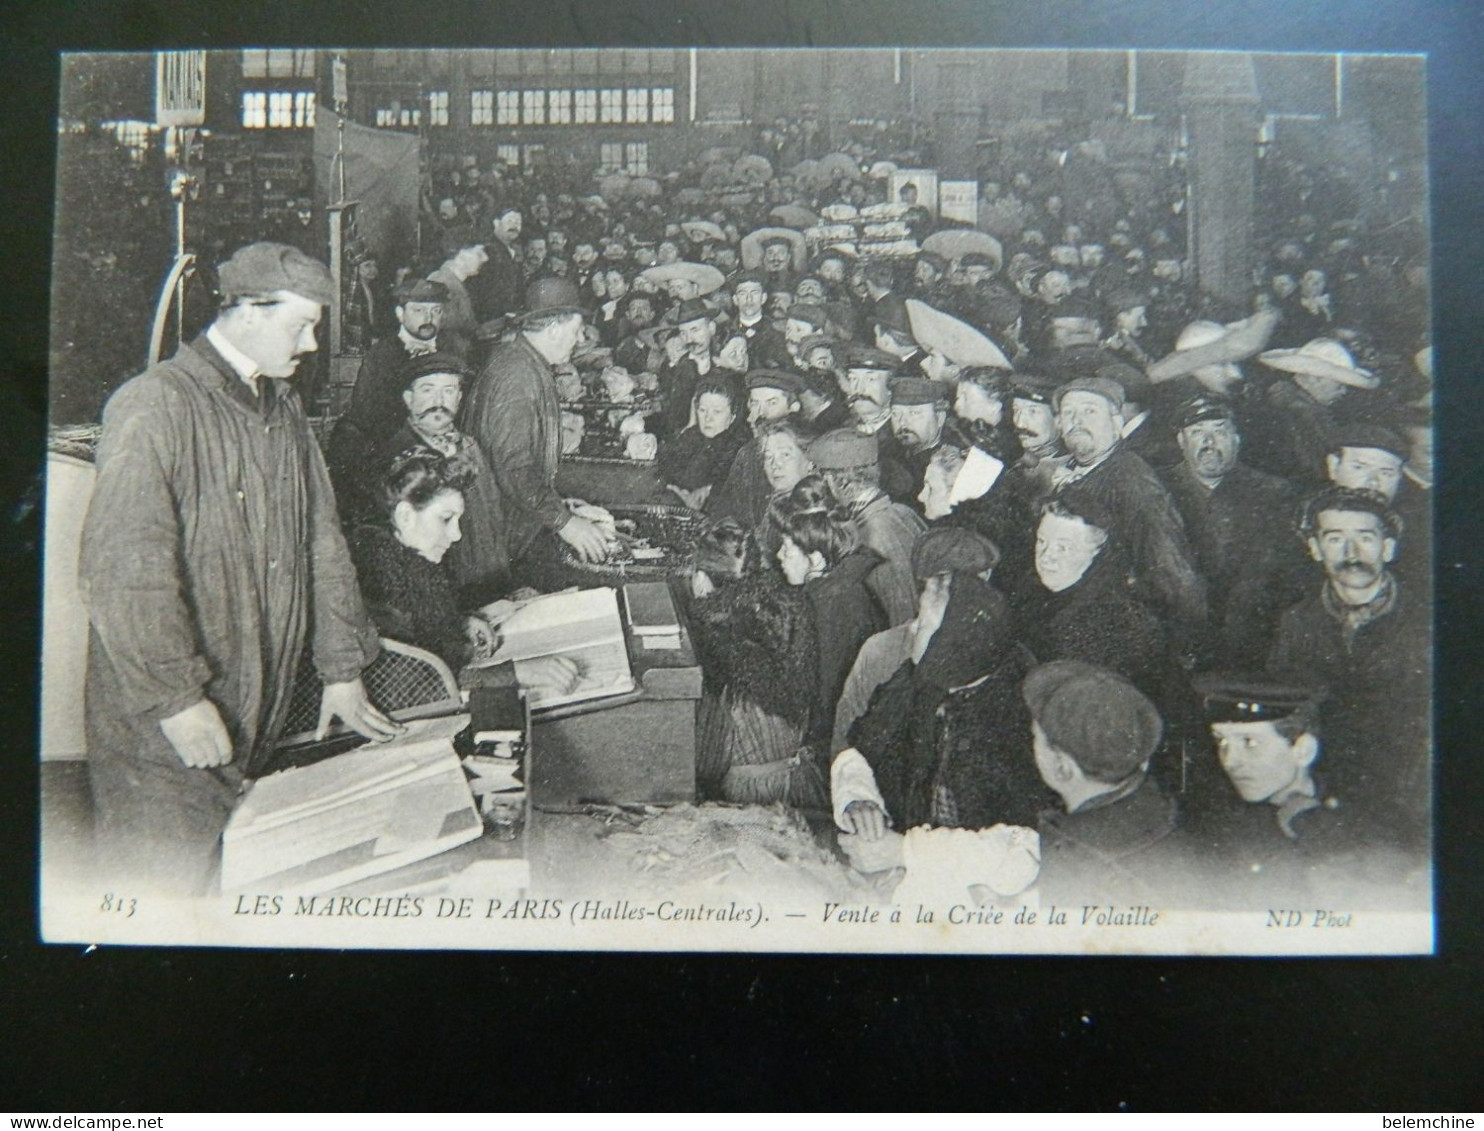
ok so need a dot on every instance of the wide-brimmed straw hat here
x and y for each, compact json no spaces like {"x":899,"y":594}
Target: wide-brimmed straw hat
{"x":1322,"y":357}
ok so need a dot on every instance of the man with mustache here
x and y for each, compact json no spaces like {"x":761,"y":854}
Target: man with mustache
{"x":433,"y":390}
{"x":375,"y":409}
{"x":1237,"y":520}
{"x":866,"y":384}
{"x":1033,"y":416}
{"x":1366,"y":636}
{"x":1100,"y":467}
{"x":210,"y":557}
{"x":919,"y":409}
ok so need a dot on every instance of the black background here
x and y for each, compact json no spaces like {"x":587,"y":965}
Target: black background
{"x":126,"y":1030}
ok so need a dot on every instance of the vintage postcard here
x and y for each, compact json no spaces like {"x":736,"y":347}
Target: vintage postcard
{"x":832,"y":500}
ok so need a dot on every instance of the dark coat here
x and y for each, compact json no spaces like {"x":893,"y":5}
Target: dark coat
{"x":1376,"y":719}
{"x":499,"y":288}
{"x":479,"y":562}
{"x":211,"y":552}
{"x":744,"y":493}
{"x":1146,"y":522}
{"x":1122,"y":848}
{"x":512,"y":411}
{"x":948,"y":739}
{"x":410,"y":598}
{"x":1242,"y":536}
{"x":1098,"y":621}
{"x":691,"y":460}
{"x":1002,"y":515}
{"x":1292,"y":435}
{"x":846,"y":613}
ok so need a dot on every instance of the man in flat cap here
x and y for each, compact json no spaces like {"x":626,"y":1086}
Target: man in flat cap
{"x":376,"y":409}
{"x":512,"y":410}
{"x":1144,"y":520}
{"x":432,"y":392}
{"x":1115,"y":837}
{"x":1239,"y":524}
{"x":1366,"y":637}
{"x":919,"y":409}
{"x":210,"y":555}
{"x":851,"y":465}
{"x":1374,"y":457}
{"x":772,"y":395}
{"x":1033,"y":416}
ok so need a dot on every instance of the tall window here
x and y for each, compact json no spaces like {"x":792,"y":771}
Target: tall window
{"x":636,"y":104}
{"x":636,"y":158}
{"x":507,"y":108}
{"x":254,"y":110}
{"x":561,"y":107}
{"x":662,"y":104}
{"x":386,"y":117}
{"x":610,"y":106}
{"x":610,"y":155}
{"x":586,"y":107}
{"x":304,"y":109}
{"x":438,"y":108}
{"x":533,"y":107}
{"x":481,"y":108}
{"x":509,"y":154}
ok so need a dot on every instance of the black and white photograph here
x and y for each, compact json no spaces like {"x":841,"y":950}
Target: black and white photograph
{"x":829,"y":500}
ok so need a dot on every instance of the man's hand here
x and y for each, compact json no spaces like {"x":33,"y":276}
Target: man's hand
{"x":695,"y":499}
{"x":548,"y":675}
{"x":481,"y":637}
{"x":585,"y":538}
{"x":347,"y":702}
{"x":866,"y":820}
{"x":675,"y":349}
{"x":199,"y":736}
{"x":871,"y":856}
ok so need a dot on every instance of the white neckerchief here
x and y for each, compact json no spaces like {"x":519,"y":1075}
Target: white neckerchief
{"x":245,"y":367}
{"x":976,"y":477}
{"x":416,"y":347}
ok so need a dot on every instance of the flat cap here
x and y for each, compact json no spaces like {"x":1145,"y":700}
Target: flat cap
{"x":1094,"y":716}
{"x":845,"y":449}
{"x":1104,"y":387}
{"x":420,"y":290}
{"x":949,"y":549}
{"x":266,"y":268}
{"x":782,"y":379}
{"x":1369,"y":436}
{"x":919,"y":390}
{"x":1348,"y":499}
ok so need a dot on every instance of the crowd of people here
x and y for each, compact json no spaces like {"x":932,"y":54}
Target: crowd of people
{"x":1024,"y":549}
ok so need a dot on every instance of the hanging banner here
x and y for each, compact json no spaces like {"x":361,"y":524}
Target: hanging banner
{"x":180,"y":88}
